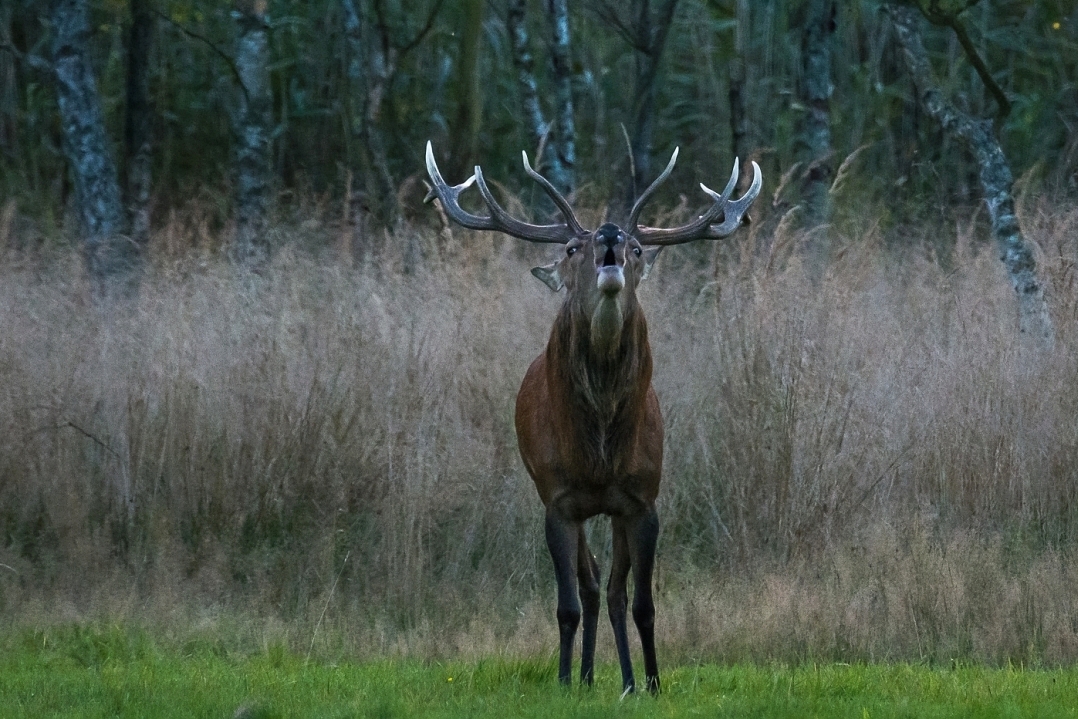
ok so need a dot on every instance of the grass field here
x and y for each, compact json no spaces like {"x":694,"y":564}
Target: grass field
{"x":869,"y":508}
{"x":115,"y":672}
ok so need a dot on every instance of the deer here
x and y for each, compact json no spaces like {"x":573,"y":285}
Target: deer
{"x":588,"y":423}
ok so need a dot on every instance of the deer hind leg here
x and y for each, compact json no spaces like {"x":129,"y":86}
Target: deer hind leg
{"x":588,"y":575}
{"x":642,"y":535}
{"x":617,"y":601}
{"x":562,"y":537}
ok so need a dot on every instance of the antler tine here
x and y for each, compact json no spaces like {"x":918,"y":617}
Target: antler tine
{"x":702,"y":228}
{"x":448,"y":196}
{"x":511,"y":225}
{"x":735,"y":210}
{"x":499,"y":220}
{"x":730,"y":185}
{"x":557,"y":197}
{"x":634,"y":214}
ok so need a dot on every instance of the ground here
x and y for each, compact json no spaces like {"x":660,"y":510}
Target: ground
{"x":92,"y":671}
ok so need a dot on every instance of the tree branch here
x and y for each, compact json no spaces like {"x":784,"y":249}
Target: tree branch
{"x":995,"y":175}
{"x":35,"y":62}
{"x":940,"y":17}
{"x":209,"y":43}
{"x":403,"y":50}
{"x":981,"y":68}
{"x":609,"y":15}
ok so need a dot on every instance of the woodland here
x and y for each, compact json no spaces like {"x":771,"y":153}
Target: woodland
{"x":289,"y":101}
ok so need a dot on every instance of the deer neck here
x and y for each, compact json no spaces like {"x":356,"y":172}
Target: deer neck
{"x":607,"y":324}
{"x":601,"y":371}
{"x":603,"y":357}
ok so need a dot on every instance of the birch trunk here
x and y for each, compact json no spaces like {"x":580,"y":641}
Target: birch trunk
{"x":816,"y":88}
{"x":650,"y":39}
{"x":737,"y":75}
{"x":138,"y":122}
{"x":367,"y":91}
{"x":112,"y":260}
{"x":565,"y":127}
{"x":537,"y":127}
{"x":995,"y":176}
{"x":253,"y":122}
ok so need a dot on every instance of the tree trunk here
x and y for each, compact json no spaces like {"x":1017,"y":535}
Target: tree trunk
{"x":650,"y":39}
{"x":995,"y":176}
{"x":138,"y":123}
{"x":112,"y":261}
{"x":565,"y":127}
{"x":470,"y":108}
{"x":736,"y":91}
{"x":253,"y":123}
{"x":537,"y":127}
{"x":816,"y":88}
{"x":366,"y":93}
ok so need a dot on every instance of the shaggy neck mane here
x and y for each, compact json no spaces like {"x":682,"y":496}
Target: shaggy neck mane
{"x":603,"y":393}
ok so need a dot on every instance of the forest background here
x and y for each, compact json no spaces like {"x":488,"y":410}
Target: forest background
{"x":249,"y":377}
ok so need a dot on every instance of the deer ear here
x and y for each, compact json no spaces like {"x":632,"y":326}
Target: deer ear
{"x":649,"y":260}
{"x":549,"y":276}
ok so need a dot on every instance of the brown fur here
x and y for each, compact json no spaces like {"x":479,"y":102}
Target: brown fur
{"x":588,"y":424}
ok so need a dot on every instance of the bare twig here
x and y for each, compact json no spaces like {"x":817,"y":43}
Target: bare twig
{"x":949,"y":18}
{"x":323,"y":614}
{"x":209,"y":43}
{"x":423,"y":31}
{"x":632,"y":160}
{"x":35,"y":62}
{"x":91,"y":437}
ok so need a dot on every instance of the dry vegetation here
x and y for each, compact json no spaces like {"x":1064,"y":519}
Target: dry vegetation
{"x":871,"y":466}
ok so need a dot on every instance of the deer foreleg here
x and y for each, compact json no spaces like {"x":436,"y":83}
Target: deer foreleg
{"x":617,"y":602}
{"x":588,"y":575}
{"x":562,"y":538}
{"x":643,"y":534}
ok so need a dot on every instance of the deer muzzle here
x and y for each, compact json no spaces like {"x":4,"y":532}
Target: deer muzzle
{"x":611,"y":279}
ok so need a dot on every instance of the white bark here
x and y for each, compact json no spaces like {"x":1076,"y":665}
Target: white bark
{"x":112,"y":260}
{"x":253,"y":127}
{"x":995,"y":175}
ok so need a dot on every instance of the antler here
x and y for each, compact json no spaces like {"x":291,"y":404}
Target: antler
{"x":706,"y":226}
{"x":500,"y":220}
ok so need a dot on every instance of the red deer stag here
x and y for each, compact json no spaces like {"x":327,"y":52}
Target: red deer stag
{"x":587,"y":419}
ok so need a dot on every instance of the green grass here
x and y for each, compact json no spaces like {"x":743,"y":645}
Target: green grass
{"x":114,"y":672}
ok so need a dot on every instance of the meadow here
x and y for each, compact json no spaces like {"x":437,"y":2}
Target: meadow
{"x":871,"y":467}
{"x":107,"y":671}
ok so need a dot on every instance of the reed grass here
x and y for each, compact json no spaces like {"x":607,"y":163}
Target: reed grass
{"x":873,"y":464}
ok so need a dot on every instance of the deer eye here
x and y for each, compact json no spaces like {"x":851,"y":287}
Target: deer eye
{"x":636,"y":251}
{"x":571,"y":251}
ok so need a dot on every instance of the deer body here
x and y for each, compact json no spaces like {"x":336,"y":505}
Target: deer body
{"x":588,"y":422}
{"x":591,"y":436}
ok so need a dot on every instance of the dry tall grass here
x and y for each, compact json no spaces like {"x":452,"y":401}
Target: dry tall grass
{"x":871,"y":466}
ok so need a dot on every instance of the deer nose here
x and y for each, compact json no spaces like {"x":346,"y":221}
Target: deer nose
{"x":609,"y":235}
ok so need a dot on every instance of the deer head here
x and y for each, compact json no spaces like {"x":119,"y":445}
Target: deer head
{"x":600,"y":268}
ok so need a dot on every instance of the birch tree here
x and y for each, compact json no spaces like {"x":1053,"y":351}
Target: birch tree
{"x":565,"y":127}
{"x":138,"y":121}
{"x":815,"y":90}
{"x":252,"y":128}
{"x":645,"y":31}
{"x":536,"y":125}
{"x":995,"y":175}
{"x":736,"y":86}
{"x":112,"y":260}
{"x":374,"y":56}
